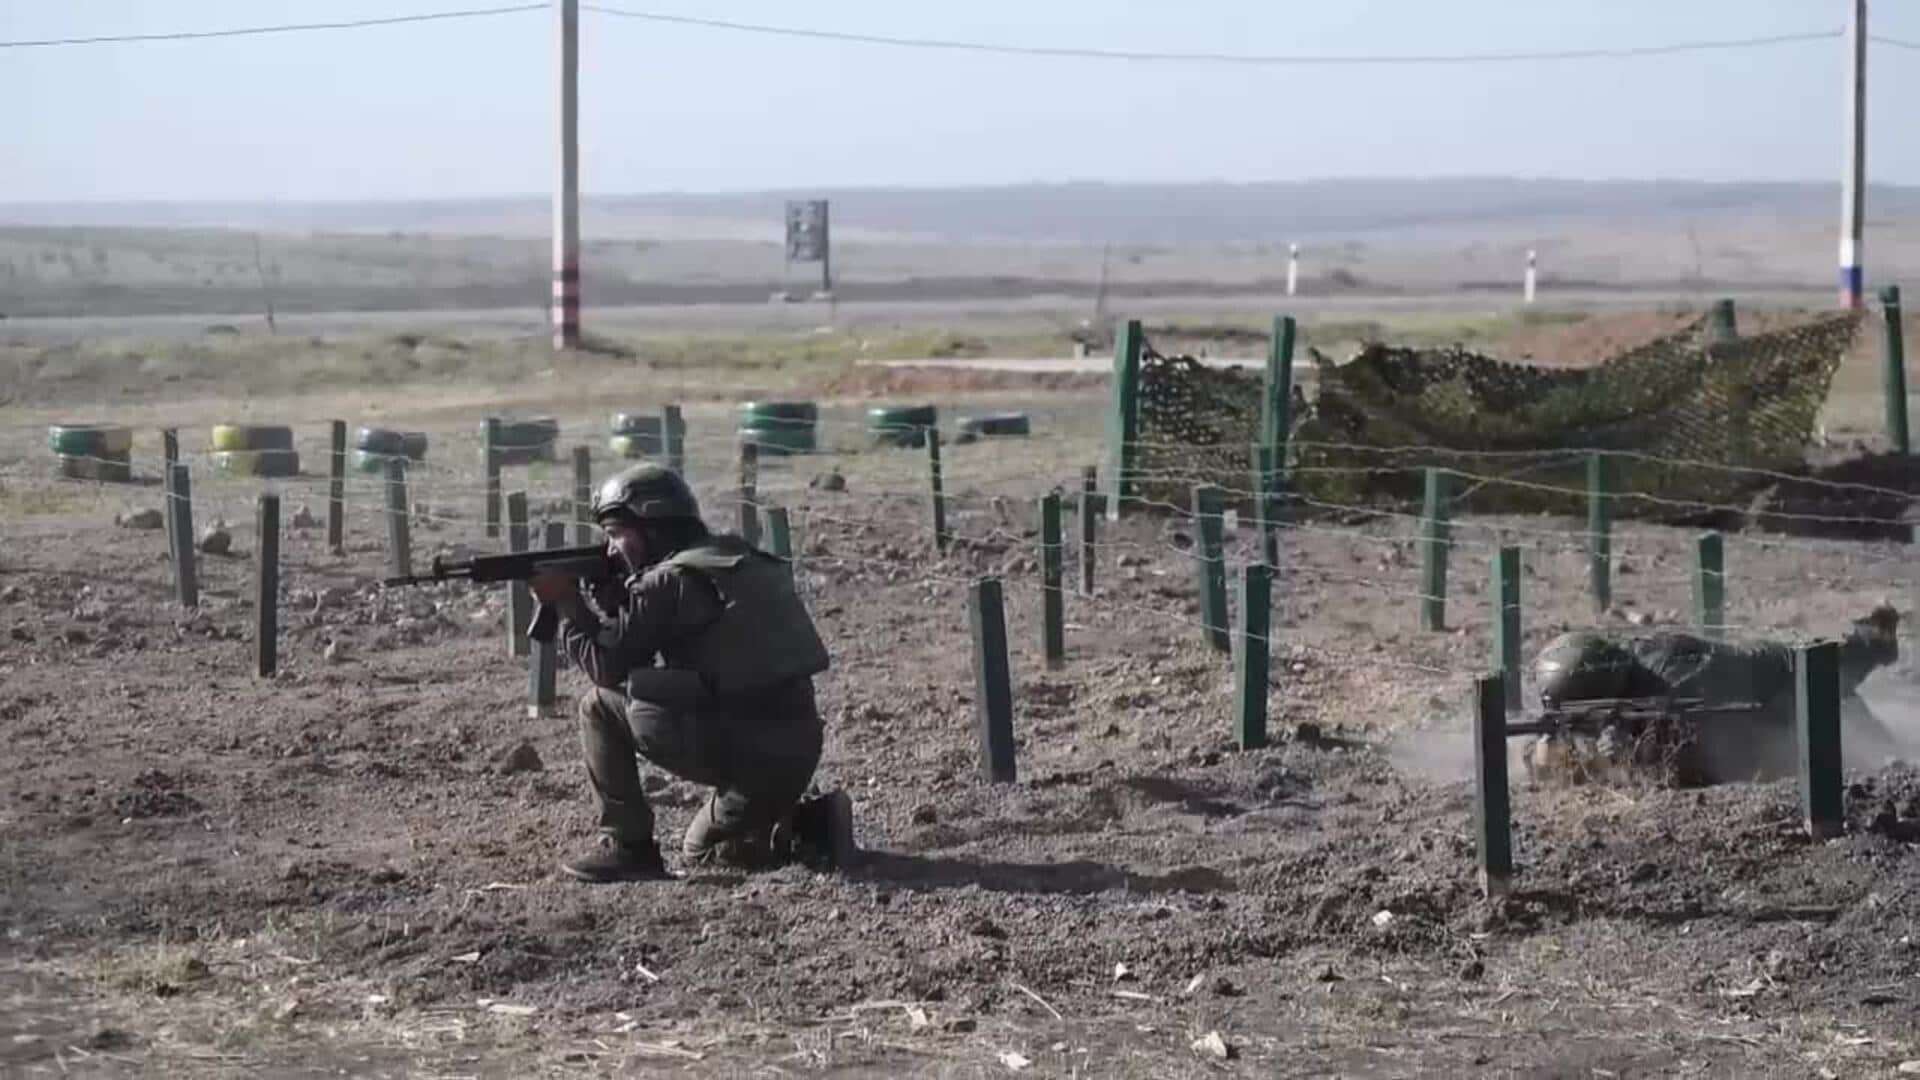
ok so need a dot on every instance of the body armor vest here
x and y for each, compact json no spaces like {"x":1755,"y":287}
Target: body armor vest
{"x":763,"y":636}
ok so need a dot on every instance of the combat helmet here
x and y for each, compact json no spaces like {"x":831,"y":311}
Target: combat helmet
{"x":645,"y":492}
{"x":1579,"y":666}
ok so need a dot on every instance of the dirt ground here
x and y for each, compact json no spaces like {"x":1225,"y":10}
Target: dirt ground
{"x":330,"y":872}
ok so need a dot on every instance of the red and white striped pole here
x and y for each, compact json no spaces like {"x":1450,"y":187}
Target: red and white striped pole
{"x":566,"y":191}
{"x":1853,"y":187}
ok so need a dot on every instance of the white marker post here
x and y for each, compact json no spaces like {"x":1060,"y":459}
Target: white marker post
{"x":1853,"y":191}
{"x":566,"y":191}
{"x":1530,"y":276}
{"x":1293,"y":268}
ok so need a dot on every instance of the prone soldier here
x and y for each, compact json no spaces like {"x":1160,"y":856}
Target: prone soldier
{"x":1741,"y":695}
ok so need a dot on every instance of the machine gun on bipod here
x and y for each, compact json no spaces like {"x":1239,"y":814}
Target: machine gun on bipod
{"x":1583,"y":739}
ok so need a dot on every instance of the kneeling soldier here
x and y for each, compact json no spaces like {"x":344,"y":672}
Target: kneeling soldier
{"x":702,"y":661}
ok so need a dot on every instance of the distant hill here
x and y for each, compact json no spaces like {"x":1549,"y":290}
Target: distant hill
{"x":1066,"y":214}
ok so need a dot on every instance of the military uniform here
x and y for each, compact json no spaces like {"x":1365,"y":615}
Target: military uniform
{"x":704,"y":667}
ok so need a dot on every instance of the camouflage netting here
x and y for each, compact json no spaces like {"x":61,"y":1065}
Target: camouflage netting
{"x":1519,"y":430}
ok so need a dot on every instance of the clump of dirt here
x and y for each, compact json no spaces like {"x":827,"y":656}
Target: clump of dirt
{"x":155,"y":794}
{"x":1863,"y":498}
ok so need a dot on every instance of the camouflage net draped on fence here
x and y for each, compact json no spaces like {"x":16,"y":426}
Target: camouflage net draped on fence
{"x":1747,"y":404}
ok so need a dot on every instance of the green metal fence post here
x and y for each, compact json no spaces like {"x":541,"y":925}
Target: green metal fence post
{"x":1434,"y":541}
{"x":1710,"y":585}
{"x":779,"y":532}
{"x":337,"y":488}
{"x":1492,"y":811}
{"x":1123,"y":417}
{"x":1053,"y":634}
{"x":399,"y":521}
{"x":490,"y":454}
{"x":266,"y":595}
{"x":1895,"y":372}
{"x":940,"y":537}
{"x":1599,"y":534}
{"x":185,"y":554}
{"x":582,"y":495}
{"x":1089,"y":526}
{"x":750,"y":491}
{"x":1266,"y":502}
{"x":992,"y":681}
{"x":673,"y":433}
{"x":1817,"y":724}
{"x":543,"y":670}
{"x":519,"y":597}
{"x":1252,"y":656}
{"x":1210,"y":565}
{"x":1506,"y":621}
{"x":1276,"y":412}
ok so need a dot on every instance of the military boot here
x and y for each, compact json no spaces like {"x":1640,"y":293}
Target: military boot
{"x":614,"y":861}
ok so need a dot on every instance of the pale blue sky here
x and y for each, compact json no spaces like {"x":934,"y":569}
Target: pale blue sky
{"x":464,"y":108}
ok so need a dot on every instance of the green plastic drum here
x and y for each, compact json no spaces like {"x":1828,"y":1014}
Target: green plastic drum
{"x":249,"y":437}
{"x":387,"y":442}
{"x":780,"y":427}
{"x":901,"y":425}
{"x":523,"y":442}
{"x":770,"y":415}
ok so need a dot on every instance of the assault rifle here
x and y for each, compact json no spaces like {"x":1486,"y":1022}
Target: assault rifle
{"x":578,"y":562}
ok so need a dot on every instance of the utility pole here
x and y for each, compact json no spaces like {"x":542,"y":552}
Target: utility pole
{"x":1853,"y":191}
{"x":566,"y":190}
